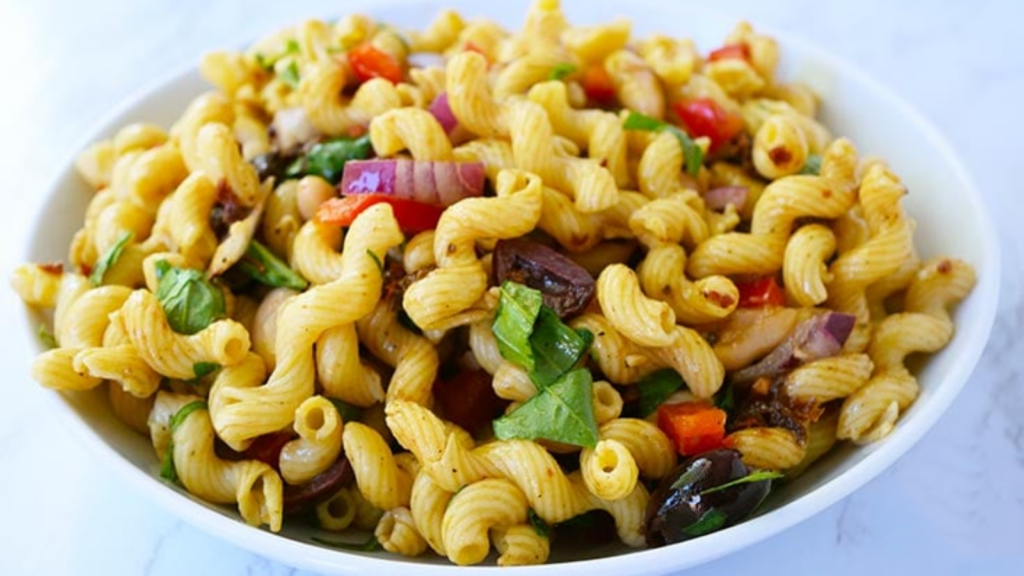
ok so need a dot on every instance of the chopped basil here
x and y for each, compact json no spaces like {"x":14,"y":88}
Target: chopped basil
{"x":376,"y":260}
{"x":725,"y":399}
{"x":371,"y":545}
{"x":189,"y":300}
{"x":47,"y":337}
{"x":327,"y":159}
{"x":267,"y":62}
{"x":109,"y":258}
{"x":518,"y":309}
{"x":756,"y":476}
{"x":812,"y":165}
{"x":556,"y":347}
{"x":655,"y":388}
{"x":695,"y":470}
{"x":167,"y":470}
{"x":348,"y":412}
{"x":708,"y":522}
{"x":406,"y":321}
{"x":201,"y":369}
{"x":260,"y":264}
{"x":539,"y":525}
{"x":532,"y":336}
{"x":562,"y":70}
{"x":290,"y":75}
{"x":562,"y":412}
{"x":692,"y":153}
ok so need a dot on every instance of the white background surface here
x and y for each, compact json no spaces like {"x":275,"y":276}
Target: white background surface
{"x":953,"y":505}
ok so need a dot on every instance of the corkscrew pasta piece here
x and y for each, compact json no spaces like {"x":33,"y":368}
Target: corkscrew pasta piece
{"x":253,"y":485}
{"x":305,"y":318}
{"x":780,"y":148}
{"x":768,"y":448}
{"x":804,"y":264}
{"x":870,"y":413}
{"x":319,"y":427}
{"x":397,"y":533}
{"x":643,"y":320}
{"x":413,"y":357}
{"x":379,"y":477}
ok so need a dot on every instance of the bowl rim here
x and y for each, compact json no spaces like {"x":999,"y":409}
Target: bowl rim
{"x":637,"y":562}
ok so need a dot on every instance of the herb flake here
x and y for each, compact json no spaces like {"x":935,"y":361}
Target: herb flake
{"x":371,"y":544}
{"x":260,"y":264}
{"x":708,"y":522}
{"x":167,"y":469}
{"x":655,"y":388}
{"x":756,"y":476}
{"x":812,"y":166}
{"x":109,"y":258}
{"x":327,"y":159}
{"x":542,"y":528}
{"x":47,"y":337}
{"x":290,"y":75}
{"x":562,"y":70}
{"x":693,"y":154}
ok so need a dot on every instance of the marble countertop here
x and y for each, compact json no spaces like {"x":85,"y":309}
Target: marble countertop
{"x":953,"y":505}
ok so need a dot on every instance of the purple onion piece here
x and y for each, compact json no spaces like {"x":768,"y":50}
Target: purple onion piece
{"x":719,"y":198}
{"x":813,"y":339}
{"x":430,"y":182}
{"x":443,"y":112}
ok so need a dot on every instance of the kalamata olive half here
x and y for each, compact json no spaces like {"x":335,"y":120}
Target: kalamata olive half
{"x":685,"y":504}
{"x":271,"y":164}
{"x":319,"y":488}
{"x":567,"y":288}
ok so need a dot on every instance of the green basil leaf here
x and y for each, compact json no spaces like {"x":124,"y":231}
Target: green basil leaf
{"x":327,"y":159}
{"x":518,"y":309}
{"x":189,"y":300}
{"x":167,"y":470}
{"x":371,"y":545}
{"x":290,"y":75}
{"x":47,"y":337}
{"x":562,"y":70}
{"x":562,"y":412}
{"x":348,"y":412}
{"x":692,"y":152}
{"x":756,"y":476}
{"x":291,"y":46}
{"x":655,"y":388}
{"x":556,"y":347}
{"x":710,"y":521}
{"x":812,"y":165}
{"x":109,"y":258}
{"x":201,"y":369}
{"x":539,"y":525}
{"x":264,"y":62}
{"x":260,"y":264}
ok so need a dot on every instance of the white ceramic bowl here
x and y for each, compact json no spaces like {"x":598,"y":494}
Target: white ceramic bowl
{"x":951,"y":220}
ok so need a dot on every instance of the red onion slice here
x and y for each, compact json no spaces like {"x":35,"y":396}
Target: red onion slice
{"x":443,"y":112}
{"x":815,"y":338}
{"x":719,"y":198}
{"x":430,"y":182}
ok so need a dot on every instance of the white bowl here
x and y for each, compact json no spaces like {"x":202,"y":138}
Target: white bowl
{"x":951,"y":220}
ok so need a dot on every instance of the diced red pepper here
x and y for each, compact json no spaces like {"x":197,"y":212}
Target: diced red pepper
{"x":469,"y":400}
{"x":411,"y":215}
{"x":704,"y":117}
{"x":730,"y":51}
{"x":763,"y":291}
{"x":694,"y":427}
{"x":369,"y":62}
{"x":597,"y":84}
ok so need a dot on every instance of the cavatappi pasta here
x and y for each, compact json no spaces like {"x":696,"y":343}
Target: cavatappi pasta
{"x":265,"y":346}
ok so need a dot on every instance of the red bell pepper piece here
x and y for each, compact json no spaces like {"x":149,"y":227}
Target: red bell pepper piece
{"x":597,"y":84}
{"x":694,"y":427}
{"x":704,"y":117}
{"x":730,"y":51}
{"x":411,"y":215}
{"x":763,"y":291}
{"x":368,"y":62}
